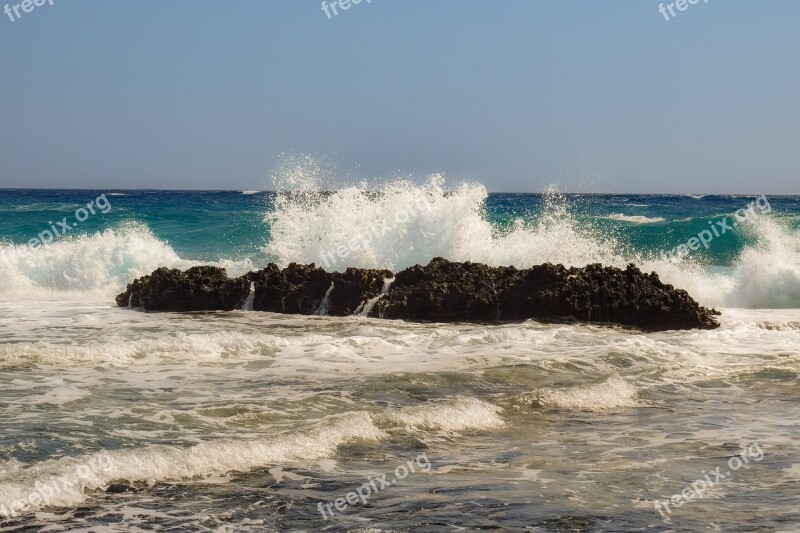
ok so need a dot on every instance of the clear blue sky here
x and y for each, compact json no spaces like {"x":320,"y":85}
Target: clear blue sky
{"x":517,"y":94}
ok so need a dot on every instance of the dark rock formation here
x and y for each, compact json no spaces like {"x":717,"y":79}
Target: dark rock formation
{"x":301,"y":289}
{"x":445,"y":291}
{"x":202,"y":288}
{"x":442,"y":291}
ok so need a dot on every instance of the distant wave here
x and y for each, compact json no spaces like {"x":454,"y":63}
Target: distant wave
{"x":117,"y":194}
{"x":249,"y":193}
{"x":634,"y":219}
{"x":696,"y":196}
{"x":39,"y":206}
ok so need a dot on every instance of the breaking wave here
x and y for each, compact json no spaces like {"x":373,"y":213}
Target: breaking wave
{"x":91,"y":265}
{"x":400,"y":224}
{"x":67,"y":482}
{"x":373,"y":228}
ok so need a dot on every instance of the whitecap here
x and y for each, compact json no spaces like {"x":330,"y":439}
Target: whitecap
{"x":634,"y":219}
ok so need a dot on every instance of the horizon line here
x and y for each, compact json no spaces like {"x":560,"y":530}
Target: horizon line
{"x":258,"y":191}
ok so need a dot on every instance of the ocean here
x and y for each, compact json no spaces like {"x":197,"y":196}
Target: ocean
{"x":115,"y":419}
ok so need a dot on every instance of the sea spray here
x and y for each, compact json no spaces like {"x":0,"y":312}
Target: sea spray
{"x":306,"y":222}
{"x":92,"y":265}
{"x":311,"y":214}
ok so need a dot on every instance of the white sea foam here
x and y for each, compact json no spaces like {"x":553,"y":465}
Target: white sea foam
{"x":222,"y":457}
{"x":768,"y":274}
{"x":634,"y":219}
{"x":308,"y":221}
{"x":173,"y":346}
{"x":453,"y":415}
{"x":99,"y":264}
{"x":164,"y":463}
{"x":614,"y":393}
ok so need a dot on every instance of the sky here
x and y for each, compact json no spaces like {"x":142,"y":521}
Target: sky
{"x":519,"y":95}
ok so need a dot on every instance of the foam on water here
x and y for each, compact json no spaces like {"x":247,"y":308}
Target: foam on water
{"x":308,"y":225}
{"x":54,"y":335}
{"x":172,"y":346}
{"x":401,"y":224}
{"x":75,"y":476}
{"x":614,"y":393}
{"x":165,"y":463}
{"x":768,"y":274}
{"x":635,"y":219}
{"x":454,"y":415}
{"x":100,"y":264}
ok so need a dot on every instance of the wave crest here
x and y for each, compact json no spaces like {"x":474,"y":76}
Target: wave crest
{"x":634,"y":219}
{"x":401,"y":224}
{"x":91,"y":265}
{"x":309,"y":224}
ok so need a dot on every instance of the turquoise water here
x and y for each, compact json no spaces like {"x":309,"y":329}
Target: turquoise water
{"x":207,"y":226}
{"x":199,"y":225}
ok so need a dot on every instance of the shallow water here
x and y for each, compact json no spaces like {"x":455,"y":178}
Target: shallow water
{"x":249,"y":421}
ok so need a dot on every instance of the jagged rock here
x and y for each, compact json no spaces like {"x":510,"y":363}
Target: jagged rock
{"x":202,"y":288}
{"x":442,"y":291}
{"x":445,"y":291}
{"x":301,"y":289}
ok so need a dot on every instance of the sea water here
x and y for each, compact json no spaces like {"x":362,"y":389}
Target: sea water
{"x":115,"y":419}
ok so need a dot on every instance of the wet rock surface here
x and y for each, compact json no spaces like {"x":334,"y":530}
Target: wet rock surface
{"x":202,"y":288}
{"x":442,"y":291}
{"x":301,"y":289}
